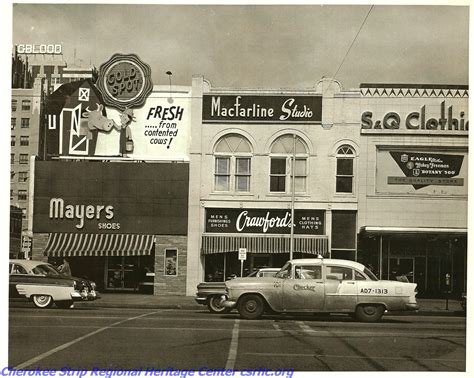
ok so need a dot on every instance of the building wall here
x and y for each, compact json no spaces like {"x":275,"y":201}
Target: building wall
{"x":166,"y":284}
{"x":431,"y":206}
{"x":19,"y":183}
{"x":340,"y":125}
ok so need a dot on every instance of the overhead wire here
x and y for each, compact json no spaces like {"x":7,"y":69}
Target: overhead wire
{"x":353,"y":41}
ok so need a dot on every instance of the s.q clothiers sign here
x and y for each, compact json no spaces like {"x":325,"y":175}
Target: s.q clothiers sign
{"x":125,"y":81}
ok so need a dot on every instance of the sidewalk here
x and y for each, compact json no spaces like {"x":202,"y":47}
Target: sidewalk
{"x":127,"y":300}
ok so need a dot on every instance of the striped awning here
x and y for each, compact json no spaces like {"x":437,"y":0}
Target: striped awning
{"x":69,"y":244}
{"x":314,"y":244}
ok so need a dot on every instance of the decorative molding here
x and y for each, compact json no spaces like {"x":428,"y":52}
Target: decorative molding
{"x":416,"y":92}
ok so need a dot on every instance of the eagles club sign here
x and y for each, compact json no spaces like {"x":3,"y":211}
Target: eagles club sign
{"x":125,"y":81}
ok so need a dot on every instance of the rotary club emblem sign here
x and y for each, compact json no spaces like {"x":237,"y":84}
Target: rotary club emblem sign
{"x":125,"y":81}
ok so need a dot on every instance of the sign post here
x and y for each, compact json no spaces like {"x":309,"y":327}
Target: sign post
{"x":242,"y":258}
{"x":26,"y":246}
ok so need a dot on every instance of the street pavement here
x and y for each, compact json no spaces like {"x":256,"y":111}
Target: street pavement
{"x":92,"y":337}
{"x":127,"y":300}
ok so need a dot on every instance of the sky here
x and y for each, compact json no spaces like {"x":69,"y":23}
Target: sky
{"x":260,"y":46}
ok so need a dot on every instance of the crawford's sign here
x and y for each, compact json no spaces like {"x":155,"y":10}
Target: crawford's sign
{"x":261,"y":221}
{"x":262,"y":108}
{"x":446,"y":121}
{"x":125,"y":81}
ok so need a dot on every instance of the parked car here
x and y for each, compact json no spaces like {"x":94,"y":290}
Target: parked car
{"x":320,"y":285}
{"x":212,"y":294}
{"x":44,"y":285}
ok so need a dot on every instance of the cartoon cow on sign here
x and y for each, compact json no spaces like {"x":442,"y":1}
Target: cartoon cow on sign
{"x":95,"y":120}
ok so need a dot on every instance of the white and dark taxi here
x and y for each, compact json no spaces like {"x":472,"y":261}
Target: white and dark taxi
{"x":320,"y":286}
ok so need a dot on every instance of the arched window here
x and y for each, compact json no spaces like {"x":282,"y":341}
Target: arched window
{"x":281,"y":154}
{"x":233,"y":155}
{"x":345,"y":169}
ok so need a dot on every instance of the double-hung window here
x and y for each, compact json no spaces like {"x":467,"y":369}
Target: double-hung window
{"x":232,"y":170}
{"x":288,"y":154}
{"x":345,"y":169}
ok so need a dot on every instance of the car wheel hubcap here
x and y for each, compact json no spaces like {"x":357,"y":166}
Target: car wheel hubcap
{"x":370,"y":310}
{"x":42,"y":299}
{"x":251,"y":306}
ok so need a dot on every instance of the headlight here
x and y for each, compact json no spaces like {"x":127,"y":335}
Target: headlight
{"x":93,"y":285}
{"x":75,"y":285}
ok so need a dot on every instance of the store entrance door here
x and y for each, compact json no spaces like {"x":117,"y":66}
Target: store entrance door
{"x":402,"y":266}
{"x":121,"y":272}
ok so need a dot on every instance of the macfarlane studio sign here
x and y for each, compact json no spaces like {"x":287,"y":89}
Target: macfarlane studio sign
{"x":262,"y":108}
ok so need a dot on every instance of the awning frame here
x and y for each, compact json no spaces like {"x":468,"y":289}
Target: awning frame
{"x":212,"y":243}
{"x":97,"y":245}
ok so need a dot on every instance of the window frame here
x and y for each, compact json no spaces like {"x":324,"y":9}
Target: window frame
{"x":25,"y":105}
{"x":24,"y":141}
{"x":288,"y":156}
{"x":22,"y":159}
{"x":341,"y":155}
{"x":165,"y":268}
{"x":22,"y":195}
{"x":232,"y":173}
{"x":25,"y":123}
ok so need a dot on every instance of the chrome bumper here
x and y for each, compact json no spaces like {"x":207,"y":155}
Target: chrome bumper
{"x":201,"y":300}
{"x":84,"y":295}
{"x":411,"y":306}
{"x":228,"y":303}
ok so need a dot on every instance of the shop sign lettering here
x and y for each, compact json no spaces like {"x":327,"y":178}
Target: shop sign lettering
{"x":59,"y":210}
{"x":422,"y":169}
{"x":261,"y":108}
{"x":417,"y":121}
{"x":272,"y":221}
{"x":51,"y":49}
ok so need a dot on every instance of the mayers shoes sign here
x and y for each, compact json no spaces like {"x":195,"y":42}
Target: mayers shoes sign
{"x":262,"y":109}
{"x":125,"y":81}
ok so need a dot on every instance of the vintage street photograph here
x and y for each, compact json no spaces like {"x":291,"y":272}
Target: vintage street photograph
{"x":236,"y":189}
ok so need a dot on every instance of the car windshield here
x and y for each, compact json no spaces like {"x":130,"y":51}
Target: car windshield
{"x":46,"y":269}
{"x":285,"y":272}
{"x":370,"y":274}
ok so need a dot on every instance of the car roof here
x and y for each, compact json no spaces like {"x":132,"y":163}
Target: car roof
{"x":349,"y":263}
{"x":28,"y":264}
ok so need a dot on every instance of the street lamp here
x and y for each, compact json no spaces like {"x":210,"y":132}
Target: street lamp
{"x":170,"y":99}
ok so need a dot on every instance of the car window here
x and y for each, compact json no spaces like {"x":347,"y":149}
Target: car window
{"x":338,"y":273}
{"x":285,"y":272}
{"x":308,"y":272}
{"x":359,"y":276}
{"x":45,"y":269}
{"x":370,"y":275}
{"x":18,"y":269}
{"x":267,"y":274}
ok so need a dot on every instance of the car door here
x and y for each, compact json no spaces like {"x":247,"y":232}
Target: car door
{"x":340,"y":288}
{"x":17,"y":276}
{"x":304,"y":292}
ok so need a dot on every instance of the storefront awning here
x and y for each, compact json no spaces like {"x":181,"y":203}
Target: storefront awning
{"x":69,"y":244}
{"x":315,"y":244}
{"x":378,"y":230}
